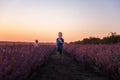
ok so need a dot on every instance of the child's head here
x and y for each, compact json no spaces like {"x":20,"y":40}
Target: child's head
{"x":60,"y":34}
{"x":36,"y":41}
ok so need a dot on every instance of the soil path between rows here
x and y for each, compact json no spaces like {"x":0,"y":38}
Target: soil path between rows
{"x":65,"y":68}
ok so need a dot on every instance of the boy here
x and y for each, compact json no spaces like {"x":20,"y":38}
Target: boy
{"x":59,"y":43}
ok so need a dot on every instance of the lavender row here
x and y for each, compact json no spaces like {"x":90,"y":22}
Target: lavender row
{"x":104,"y":59}
{"x":17,"y":62}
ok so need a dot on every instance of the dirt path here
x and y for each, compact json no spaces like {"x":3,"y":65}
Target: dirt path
{"x":63,"y":69}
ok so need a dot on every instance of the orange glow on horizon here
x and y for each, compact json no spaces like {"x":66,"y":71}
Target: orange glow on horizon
{"x":17,"y":34}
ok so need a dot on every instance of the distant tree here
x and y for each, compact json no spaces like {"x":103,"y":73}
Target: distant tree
{"x":113,"y":38}
{"x":110,"y":39}
{"x":91,"y":40}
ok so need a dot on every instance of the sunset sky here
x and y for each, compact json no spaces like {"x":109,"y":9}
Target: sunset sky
{"x":27,"y":20}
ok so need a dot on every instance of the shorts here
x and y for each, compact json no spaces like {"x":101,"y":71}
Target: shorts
{"x":60,"y":50}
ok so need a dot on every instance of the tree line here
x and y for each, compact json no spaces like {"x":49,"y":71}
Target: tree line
{"x":110,"y":39}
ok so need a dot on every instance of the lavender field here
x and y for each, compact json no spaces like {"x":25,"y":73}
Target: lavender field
{"x":103,"y":59}
{"x":18,"y":61}
{"x":79,"y":62}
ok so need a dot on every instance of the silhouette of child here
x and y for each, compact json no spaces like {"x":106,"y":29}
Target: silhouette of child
{"x":36,"y":44}
{"x":59,"y":43}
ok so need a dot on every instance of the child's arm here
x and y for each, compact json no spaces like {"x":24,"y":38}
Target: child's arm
{"x":61,"y":41}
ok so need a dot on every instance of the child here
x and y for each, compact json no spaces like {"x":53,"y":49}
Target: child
{"x":59,"y":43}
{"x":36,"y":43}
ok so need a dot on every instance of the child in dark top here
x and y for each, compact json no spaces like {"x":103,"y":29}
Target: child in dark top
{"x":59,"y":43}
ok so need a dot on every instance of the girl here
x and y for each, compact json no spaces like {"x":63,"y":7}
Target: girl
{"x":36,"y":44}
